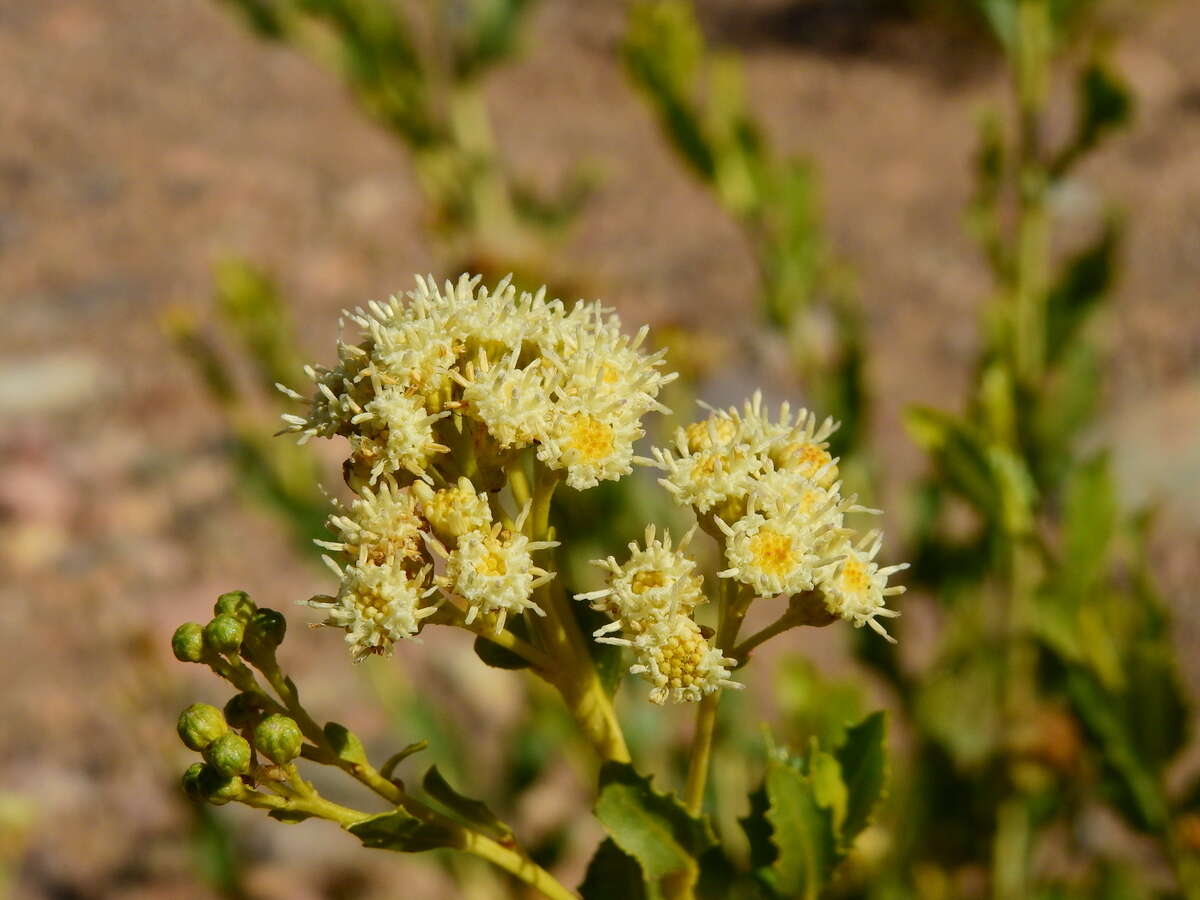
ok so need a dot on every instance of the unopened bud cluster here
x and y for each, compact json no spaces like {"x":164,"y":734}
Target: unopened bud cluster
{"x":232,"y":741}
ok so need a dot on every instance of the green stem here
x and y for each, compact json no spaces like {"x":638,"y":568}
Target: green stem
{"x":575,"y":675}
{"x":734,"y":601}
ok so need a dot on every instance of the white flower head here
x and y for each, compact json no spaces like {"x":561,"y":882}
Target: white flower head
{"x":592,"y":445}
{"x":339,"y":396}
{"x":396,"y":433}
{"x":493,"y":571}
{"x":453,"y":511}
{"x":381,"y":525}
{"x":656,"y":584}
{"x":773,"y":555}
{"x":680,"y":665}
{"x":376,"y":604}
{"x":856,"y":589}
{"x":513,"y":401}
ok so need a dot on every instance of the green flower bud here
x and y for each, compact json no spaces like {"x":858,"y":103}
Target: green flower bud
{"x":264,"y":633}
{"x":200,"y":725}
{"x":279,"y":739}
{"x":188,"y":642}
{"x":229,"y":754}
{"x":235,"y":603}
{"x":244,"y":710}
{"x":216,"y":788}
{"x":224,"y":633}
{"x":191,"y":781}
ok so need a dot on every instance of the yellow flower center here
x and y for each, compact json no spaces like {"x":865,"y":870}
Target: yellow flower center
{"x":806,"y":456}
{"x":589,"y":438}
{"x":492,"y":564}
{"x":611,"y":375}
{"x":854,"y":577}
{"x":772,"y":552}
{"x":679,"y":658}
{"x":645,"y":580}
{"x":699,"y":436}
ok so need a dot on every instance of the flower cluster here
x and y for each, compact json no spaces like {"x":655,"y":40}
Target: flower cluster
{"x":769,"y":490}
{"x":651,"y":599}
{"x":439,"y":398}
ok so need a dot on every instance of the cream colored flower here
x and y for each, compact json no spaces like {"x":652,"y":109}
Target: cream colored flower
{"x":773,"y":555}
{"x":376,"y":604}
{"x":454,"y":511}
{"x":514,"y":402}
{"x":855,"y":588}
{"x":680,"y":665}
{"x":340,"y":395}
{"x":493,"y":571}
{"x":381,"y":526}
{"x":656,"y":584}
{"x":396,"y":433}
{"x":591,"y":443}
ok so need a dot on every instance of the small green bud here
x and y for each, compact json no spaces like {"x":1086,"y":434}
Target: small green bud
{"x":235,"y":603}
{"x":216,"y":788}
{"x":279,"y":739}
{"x":264,"y":633}
{"x":191,"y":781}
{"x":188,"y":642}
{"x":229,"y":754}
{"x":244,"y":710}
{"x":200,"y":725}
{"x":224,"y":633}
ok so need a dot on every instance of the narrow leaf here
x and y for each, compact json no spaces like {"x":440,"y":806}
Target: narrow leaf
{"x":474,"y":813}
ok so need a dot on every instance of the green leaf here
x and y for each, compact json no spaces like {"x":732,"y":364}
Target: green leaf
{"x":1089,"y":522}
{"x":403,"y":832}
{"x":652,"y":827}
{"x":1105,"y":104}
{"x":345,"y":743}
{"x":608,"y":659}
{"x":802,"y":831}
{"x":758,"y":830}
{"x":474,"y":813}
{"x":1085,"y":281}
{"x":864,"y":769}
{"x":498,"y":657}
{"x":613,"y":875}
{"x":289,"y":816}
{"x":662,"y":50}
{"x":1138,"y":789}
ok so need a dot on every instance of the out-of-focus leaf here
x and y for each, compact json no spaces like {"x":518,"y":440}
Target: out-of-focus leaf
{"x":652,"y":827}
{"x":248,"y":300}
{"x":613,"y":875}
{"x":662,"y":50}
{"x":1105,"y":104}
{"x":1089,"y":523}
{"x":608,"y":659}
{"x":864,"y":768}
{"x":1137,"y":788}
{"x":813,"y":706}
{"x":1084,"y":282}
{"x":474,"y":813}
{"x":957,"y":705}
{"x":488,"y":36}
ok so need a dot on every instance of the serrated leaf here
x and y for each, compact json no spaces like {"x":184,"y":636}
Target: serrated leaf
{"x":613,"y":875}
{"x":402,"y":832}
{"x":758,"y":830}
{"x":652,"y":827}
{"x":825,"y":773}
{"x":802,"y":832}
{"x":864,"y":769}
{"x":474,"y":813}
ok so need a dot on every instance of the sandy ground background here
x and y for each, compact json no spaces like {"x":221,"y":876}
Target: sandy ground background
{"x":140,"y":144}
